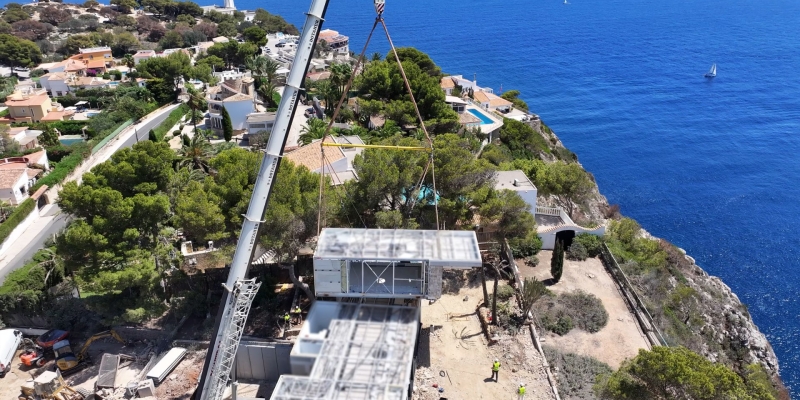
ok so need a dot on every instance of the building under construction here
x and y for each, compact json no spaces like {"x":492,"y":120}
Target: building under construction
{"x":363,"y":344}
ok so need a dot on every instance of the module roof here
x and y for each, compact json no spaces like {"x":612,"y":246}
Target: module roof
{"x":456,"y":249}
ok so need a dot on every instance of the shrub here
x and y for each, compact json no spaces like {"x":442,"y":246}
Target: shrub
{"x":577,"y":373}
{"x":15,"y":218}
{"x":527,"y":246}
{"x":586,"y":310}
{"x":64,"y":167}
{"x":531,"y":261}
{"x":176,"y":132}
{"x":173,"y":118}
{"x":505,"y":292}
{"x":559,"y":314}
{"x":592,"y":243}
{"x":577,"y":252}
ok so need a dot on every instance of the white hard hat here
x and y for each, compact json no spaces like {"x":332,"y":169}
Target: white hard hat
{"x":495,"y":360}
{"x":522,"y":384}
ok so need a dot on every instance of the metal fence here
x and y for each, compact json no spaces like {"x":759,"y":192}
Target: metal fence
{"x":643,"y":316}
{"x":111,"y":136}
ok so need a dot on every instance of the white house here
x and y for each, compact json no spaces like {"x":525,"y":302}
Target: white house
{"x":260,"y":121}
{"x":552,"y":222}
{"x":338,"y":43}
{"x":13,"y":185}
{"x":18,"y":174}
{"x":142,"y":55}
{"x":237,"y":97}
{"x":492,"y":102}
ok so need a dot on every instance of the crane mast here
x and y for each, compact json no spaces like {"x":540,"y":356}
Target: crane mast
{"x":238,"y":296}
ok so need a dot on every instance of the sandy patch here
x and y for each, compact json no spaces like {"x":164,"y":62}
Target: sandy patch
{"x":620,"y":339}
{"x":452,"y":344}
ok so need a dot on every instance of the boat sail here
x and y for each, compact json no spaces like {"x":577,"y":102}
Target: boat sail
{"x":712,"y":72}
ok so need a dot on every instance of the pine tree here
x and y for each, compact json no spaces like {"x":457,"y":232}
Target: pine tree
{"x":152,"y":136}
{"x":557,"y":262}
{"x":227,"y":126}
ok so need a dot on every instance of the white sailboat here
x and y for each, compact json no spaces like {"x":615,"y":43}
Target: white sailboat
{"x":712,"y":72}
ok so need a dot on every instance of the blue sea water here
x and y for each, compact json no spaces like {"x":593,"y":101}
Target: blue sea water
{"x":710,"y":165}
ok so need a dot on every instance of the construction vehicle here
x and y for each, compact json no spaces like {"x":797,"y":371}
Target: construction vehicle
{"x":35,"y":353}
{"x":68,"y":362}
{"x":239,"y":290}
{"x":51,"y":386}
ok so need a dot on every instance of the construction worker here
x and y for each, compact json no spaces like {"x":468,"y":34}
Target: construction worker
{"x":521,"y":391}
{"x":298,"y":314}
{"x":496,"y":370}
{"x":287,"y":320}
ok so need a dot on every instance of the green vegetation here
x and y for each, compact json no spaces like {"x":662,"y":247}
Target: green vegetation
{"x":568,"y":184}
{"x":227,"y":126}
{"x":17,"y":52}
{"x":513,"y":96}
{"x":577,"y":251}
{"x":80,"y":151}
{"x":161,"y":130}
{"x":677,"y":372}
{"x":559,"y":314}
{"x":26,"y":288}
{"x":576,"y":373}
{"x":591,"y":243}
{"x":15,"y":218}
{"x":557,"y":261}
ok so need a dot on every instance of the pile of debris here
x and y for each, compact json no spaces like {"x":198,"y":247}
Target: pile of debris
{"x":182,"y":381}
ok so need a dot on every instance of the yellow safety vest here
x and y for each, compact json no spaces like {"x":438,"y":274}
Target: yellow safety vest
{"x":286,"y":317}
{"x":297,"y":310}
{"x":496,"y":366}
{"x":522,"y":390}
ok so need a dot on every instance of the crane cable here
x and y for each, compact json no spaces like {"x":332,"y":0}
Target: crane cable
{"x":323,"y":158}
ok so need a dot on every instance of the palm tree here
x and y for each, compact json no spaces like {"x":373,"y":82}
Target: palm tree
{"x":315,"y":129}
{"x":197,"y":153}
{"x":267,"y":91}
{"x":195,"y":102}
{"x":128,"y":61}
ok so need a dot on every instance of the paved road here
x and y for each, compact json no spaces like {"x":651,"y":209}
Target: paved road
{"x":30,"y":248}
{"x":58,"y":223}
{"x":143,"y":132}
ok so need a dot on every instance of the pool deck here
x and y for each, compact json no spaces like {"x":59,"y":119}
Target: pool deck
{"x":487,"y":128}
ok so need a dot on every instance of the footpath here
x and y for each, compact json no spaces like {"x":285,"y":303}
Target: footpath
{"x":44,"y":219}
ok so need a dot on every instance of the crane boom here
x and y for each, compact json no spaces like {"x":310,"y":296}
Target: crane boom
{"x":223,"y":344}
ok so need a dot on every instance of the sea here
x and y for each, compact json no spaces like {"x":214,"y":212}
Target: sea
{"x":709,"y":164}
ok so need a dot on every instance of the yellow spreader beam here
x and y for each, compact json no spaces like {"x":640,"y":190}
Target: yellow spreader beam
{"x":375,"y":146}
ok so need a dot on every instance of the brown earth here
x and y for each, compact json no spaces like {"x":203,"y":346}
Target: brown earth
{"x":454,"y":354}
{"x":620,"y":339}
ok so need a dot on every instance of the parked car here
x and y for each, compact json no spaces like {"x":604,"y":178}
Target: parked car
{"x":49,"y":338}
{"x":9,"y":342}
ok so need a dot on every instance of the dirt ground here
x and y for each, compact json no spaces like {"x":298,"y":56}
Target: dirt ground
{"x":620,"y":339}
{"x":180,"y":383}
{"x":85,"y":378}
{"x":454,"y":354}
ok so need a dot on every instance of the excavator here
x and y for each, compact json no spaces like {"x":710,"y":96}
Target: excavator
{"x":68,"y":362}
{"x":239,"y":289}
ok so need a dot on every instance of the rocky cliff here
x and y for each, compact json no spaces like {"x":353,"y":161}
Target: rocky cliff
{"x":712,"y":321}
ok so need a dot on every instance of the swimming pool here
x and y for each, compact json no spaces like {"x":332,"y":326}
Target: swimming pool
{"x":484,"y":119}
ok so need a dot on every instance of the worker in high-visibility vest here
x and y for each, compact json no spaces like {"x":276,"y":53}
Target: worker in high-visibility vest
{"x":298,"y":314}
{"x":521,"y":391}
{"x":286,"y":320}
{"x":496,"y":370}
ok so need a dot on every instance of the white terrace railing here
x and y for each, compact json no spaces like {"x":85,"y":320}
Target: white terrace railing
{"x":554,"y":211}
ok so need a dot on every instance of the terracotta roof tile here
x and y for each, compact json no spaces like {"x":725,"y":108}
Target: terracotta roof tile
{"x":447,"y":83}
{"x":9,"y":177}
{"x":310,"y":155}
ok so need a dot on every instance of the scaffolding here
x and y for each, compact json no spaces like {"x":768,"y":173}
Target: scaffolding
{"x":359,"y":352}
